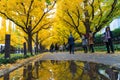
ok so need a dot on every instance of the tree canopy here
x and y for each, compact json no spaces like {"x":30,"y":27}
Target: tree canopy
{"x":87,"y":15}
{"x":29,"y":15}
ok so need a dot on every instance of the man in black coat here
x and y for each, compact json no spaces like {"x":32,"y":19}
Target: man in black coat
{"x":71,"y":43}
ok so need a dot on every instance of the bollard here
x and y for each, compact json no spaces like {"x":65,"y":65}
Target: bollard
{"x":25,"y":51}
{"x":37,"y":69}
{"x":6,"y":76}
{"x":7,"y":46}
{"x":25,"y":72}
{"x":29,"y":70}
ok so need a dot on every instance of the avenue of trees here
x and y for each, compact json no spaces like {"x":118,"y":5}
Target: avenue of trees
{"x":51,"y":21}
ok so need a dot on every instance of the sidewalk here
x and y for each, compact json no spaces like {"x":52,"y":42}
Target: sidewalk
{"x":107,"y":59}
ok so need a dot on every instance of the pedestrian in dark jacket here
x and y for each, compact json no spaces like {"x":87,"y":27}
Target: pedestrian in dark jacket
{"x":109,"y":42}
{"x":71,"y":44}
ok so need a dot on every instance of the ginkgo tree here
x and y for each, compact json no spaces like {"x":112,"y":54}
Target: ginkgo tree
{"x":87,"y":15}
{"x":30,"y":15}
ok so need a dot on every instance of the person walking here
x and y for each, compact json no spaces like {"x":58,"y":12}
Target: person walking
{"x":71,"y":43}
{"x":84,"y":43}
{"x":91,"y":41}
{"x":109,"y":42}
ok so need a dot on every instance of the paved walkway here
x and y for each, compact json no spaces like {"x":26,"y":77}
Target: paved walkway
{"x":107,"y":59}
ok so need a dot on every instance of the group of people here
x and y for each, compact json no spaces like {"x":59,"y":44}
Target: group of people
{"x":85,"y":41}
{"x":88,"y":42}
{"x":54,"y":47}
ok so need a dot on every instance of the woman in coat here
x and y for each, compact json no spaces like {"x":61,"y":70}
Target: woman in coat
{"x":109,"y":37}
{"x":91,"y":42}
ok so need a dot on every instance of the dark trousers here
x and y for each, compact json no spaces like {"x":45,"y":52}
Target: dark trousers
{"x":85,"y":48}
{"x":91,"y":48}
{"x":109,"y":45}
{"x":71,"y":49}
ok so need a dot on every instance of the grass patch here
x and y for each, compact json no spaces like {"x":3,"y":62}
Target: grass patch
{"x":13,"y":58}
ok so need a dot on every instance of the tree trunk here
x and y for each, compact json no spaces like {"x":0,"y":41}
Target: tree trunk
{"x":87,"y":22}
{"x":37,"y":43}
{"x":87,"y":28}
{"x":30,"y":43}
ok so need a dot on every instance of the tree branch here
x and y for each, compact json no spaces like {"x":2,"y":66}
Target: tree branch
{"x":68,"y":13}
{"x":92,"y":9}
{"x":13,"y":21}
{"x":40,"y":19}
{"x":42,"y":27}
{"x":24,"y":8}
{"x":78,"y":12}
{"x":68,"y":23}
{"x":106,"y":20}
{"x":26,"y":39}
{"x":28,"y":13}
{"x":113,"y":7}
